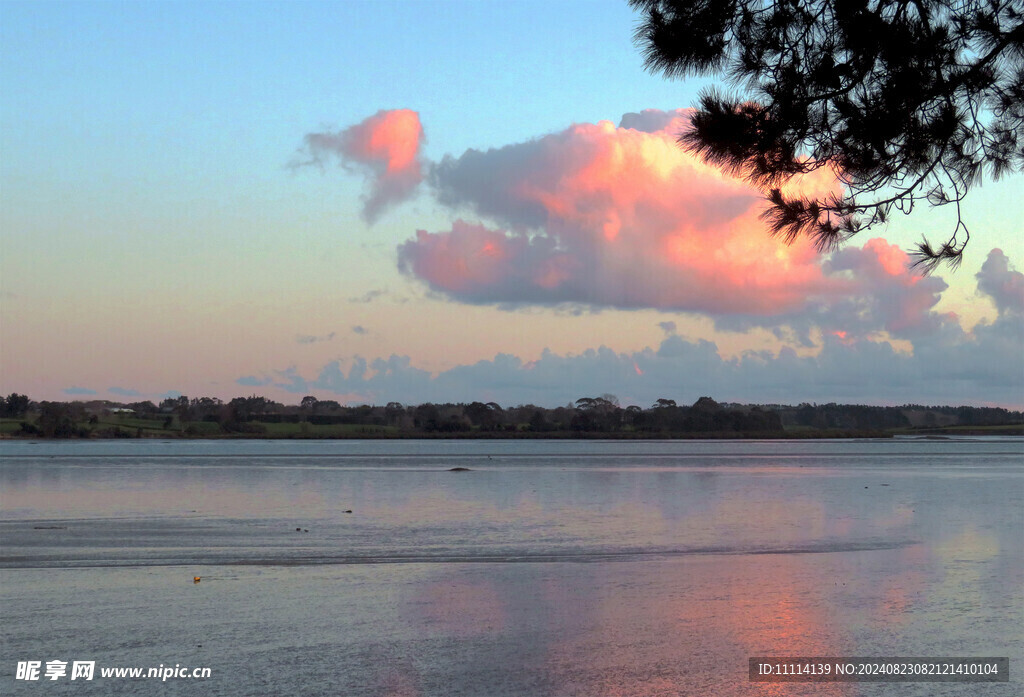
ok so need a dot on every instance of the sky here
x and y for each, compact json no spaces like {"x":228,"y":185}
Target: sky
{"x":437,"y":201}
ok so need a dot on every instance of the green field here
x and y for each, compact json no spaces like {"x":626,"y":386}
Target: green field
{"x":1003,"y":430}
{"x":108,"y":426}
{"x":128,"y":423}
{"x":308,"y":430}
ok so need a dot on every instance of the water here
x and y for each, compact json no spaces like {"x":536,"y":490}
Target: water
{"x":550,"y":568}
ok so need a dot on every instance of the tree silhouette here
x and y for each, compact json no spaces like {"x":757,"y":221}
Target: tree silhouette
{"x":906,"y":101}
{"x":14,"y":406}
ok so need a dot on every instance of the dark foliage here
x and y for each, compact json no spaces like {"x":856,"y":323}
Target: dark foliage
{"x":487,"y":417}
{"x":14,"y":406}
{"x":59,"y":420}
{"x":705,"y":416}
{"x":597,"y":417}
{"x":850,"y":416}
{"x":144,"y":408}
{"x":251,"y":408}
{"x":906,"y":101}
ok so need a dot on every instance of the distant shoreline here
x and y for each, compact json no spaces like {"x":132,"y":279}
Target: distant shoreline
{"x":587,"y":418}
{"x":375,"y":434}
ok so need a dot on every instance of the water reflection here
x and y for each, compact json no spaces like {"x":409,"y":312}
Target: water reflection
{"x":682,"y":566}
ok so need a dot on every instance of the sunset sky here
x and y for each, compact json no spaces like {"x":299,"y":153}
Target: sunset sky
{"x":437,"y":201}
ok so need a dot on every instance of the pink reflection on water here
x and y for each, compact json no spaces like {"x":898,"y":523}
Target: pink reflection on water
{"x":693,"y":632}
{"x":904,"y":588}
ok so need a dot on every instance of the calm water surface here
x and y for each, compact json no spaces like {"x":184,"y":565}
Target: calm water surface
{"x":550,"y":568}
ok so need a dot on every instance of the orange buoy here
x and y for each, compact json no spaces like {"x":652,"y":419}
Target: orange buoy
{"x":195,"y":579}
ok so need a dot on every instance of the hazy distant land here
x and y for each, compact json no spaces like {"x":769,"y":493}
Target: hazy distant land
{"x":588,"y":417}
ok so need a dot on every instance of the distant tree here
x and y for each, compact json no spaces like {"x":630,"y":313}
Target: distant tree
{"x":308,"y":403}
{"x":393,"y":413}
{"x":14,"y":405}
{"x":179,"y":406}
{"x":706,"y":404}
{"x":906,"y":101}
{"x":144,"y":408}
{"x":239,"y":409}
{"x":57,"y":420}
{"x":633,"y":416}
{"x":205,"y":408}
{"x":427,"y":417}
{"x":664,"y":415}
{"x":706,"y":415}
{"x":486,"y":416}
{"x":805,"y":415}
{"x":585,"y":404}
{"x":538,"y":422}
{"x":363,"y":414}
{"x":250,"y":408}
{"x":597,"y":414}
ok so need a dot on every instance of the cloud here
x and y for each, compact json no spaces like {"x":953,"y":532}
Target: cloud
{"x":124,"y":392}
{"x":393,"y":375}
{"x":601,"y":216}
{"x":947,"y":364}
{"x":310,"y":339}
{"x":861,"y":371}
{"x":1002,"y":283}
{"x":884,"y":292}
{"x":359,"y":329}
{"x":609,"y":216}
{"x":386,"y":146}
{"x":598,"y":216}
{"x":992,"y":348}
{"x":369,"y":296}
{"x":655,"y":121}
{"x":79,"y":391}
{"x":253,"y":381}
{"x":872,"y":290}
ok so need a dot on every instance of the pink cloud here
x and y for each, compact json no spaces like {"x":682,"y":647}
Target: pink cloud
{"x":883,"y":293}
{"x":611,"y":216}
{"x":387,"y":145}
{"x":598,"y":215}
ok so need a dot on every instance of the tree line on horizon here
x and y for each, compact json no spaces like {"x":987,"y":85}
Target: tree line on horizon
{"x":257,"y":416}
